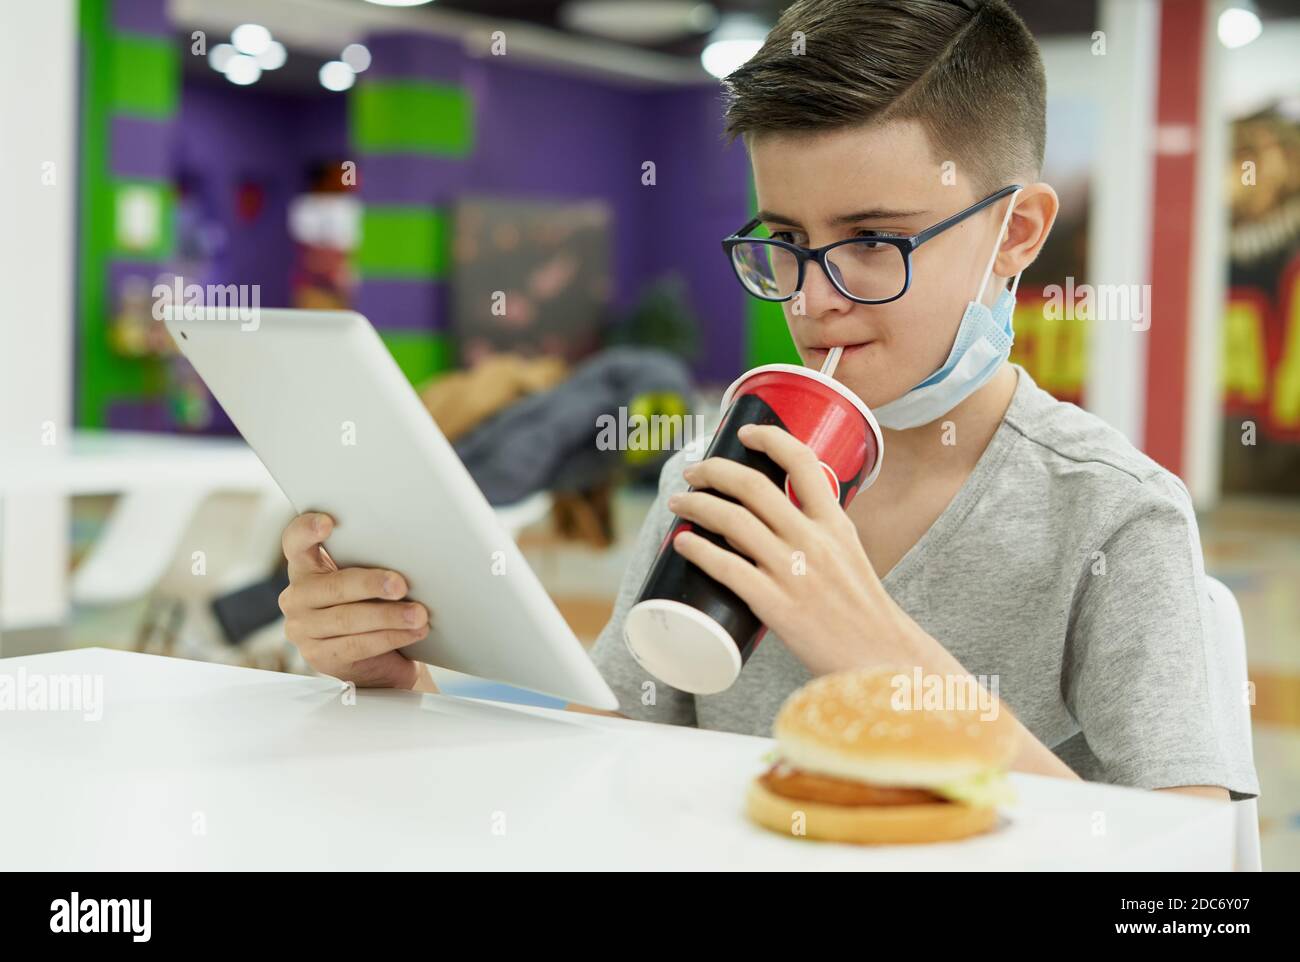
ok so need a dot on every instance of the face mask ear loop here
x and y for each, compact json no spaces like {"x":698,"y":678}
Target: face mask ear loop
{"x":988,"y":271}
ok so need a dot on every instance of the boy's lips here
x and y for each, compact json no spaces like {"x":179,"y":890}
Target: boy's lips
{"x":821,"y":352}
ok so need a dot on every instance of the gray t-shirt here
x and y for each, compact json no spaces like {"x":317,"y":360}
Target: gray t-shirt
{"x":1069,"y":566}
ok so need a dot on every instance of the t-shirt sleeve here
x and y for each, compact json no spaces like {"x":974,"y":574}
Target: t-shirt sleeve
{"x":1146,"y":675}
{"x":640,"y":695}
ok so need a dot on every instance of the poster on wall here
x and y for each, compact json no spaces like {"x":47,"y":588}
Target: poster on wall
{"x":1051,"y":319}
{"x":530,"y":277}
{"x":1261,"y":359}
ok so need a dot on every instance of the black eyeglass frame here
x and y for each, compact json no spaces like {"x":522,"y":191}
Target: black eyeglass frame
{"x":905,"y":246}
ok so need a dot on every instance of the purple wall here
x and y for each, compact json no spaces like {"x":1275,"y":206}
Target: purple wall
{"x":538,"y":133}
{"x":228,"y":134}
{"x":556,"y":135}
{"x":701,"y":197}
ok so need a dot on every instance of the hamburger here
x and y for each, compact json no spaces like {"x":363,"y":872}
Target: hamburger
{"x":855,"y":762}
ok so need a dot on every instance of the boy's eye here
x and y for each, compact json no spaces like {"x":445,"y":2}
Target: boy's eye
{"x":789,"y":237}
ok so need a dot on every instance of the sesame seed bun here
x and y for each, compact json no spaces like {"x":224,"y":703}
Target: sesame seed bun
{"x":861,"y":760}
{"x":865,"y":725}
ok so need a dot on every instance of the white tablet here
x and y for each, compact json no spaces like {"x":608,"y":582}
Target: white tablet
{"x":320,"y":399}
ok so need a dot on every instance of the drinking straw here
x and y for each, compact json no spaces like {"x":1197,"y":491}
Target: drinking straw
{"x":832,"y":358}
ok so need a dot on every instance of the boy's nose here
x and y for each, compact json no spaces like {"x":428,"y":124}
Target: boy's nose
{"x":820,"y":296}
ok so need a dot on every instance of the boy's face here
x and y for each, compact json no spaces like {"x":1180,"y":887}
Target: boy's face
{"x":806,"y":182}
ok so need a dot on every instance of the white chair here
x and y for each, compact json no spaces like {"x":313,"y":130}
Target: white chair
{"x":148,"y":550}
{"x":517,"y":516}
{"x":1231,"y":634}
{"x":136,"y":546}
{"x":150,"y":536}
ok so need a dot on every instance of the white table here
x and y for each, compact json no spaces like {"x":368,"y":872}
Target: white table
{"x":33,"y":579}
{"x":107,"y":462}
{"x":197,"y":766}
{"x":35,"y":483}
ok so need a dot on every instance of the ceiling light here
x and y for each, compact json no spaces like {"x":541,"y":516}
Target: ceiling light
{"x":1239,"y":25}
{"x":337,"y":76}
{"x":642,"y":21}
{"x":273,"y":57}
{"x":356,"y":56}
{"x":737,"y":38}
{"x":242,"y":70}
{"x":219,"y":56}
{"x":250,"y":38}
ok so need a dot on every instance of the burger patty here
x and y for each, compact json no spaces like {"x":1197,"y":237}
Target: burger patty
{"x":783,"y":780}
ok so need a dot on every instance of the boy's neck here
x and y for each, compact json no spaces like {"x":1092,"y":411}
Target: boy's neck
{"x":955,"y":441}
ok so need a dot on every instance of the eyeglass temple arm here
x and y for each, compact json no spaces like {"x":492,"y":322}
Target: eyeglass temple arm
{"x":961,"y":215}
{"x":747,"y":228}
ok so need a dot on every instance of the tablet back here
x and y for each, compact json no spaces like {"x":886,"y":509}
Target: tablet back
{"x":319,"y":398}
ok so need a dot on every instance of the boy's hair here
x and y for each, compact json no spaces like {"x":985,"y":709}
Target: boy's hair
{"x":973,"y":79}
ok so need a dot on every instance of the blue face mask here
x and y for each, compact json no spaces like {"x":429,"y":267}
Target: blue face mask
{"x":983,"y":342}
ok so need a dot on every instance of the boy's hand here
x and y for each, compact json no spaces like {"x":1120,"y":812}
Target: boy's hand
{"x":348,"y":623}
{"x":804,"y":572}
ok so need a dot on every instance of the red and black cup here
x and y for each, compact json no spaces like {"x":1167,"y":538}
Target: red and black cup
{"x":687,"y":629}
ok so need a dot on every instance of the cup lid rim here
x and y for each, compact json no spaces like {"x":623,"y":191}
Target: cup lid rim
{"x":830,"y":382}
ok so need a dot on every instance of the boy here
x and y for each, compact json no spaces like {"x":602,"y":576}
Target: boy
{"x":1008,"y":536}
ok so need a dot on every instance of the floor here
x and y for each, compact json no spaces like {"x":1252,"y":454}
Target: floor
{"x":1252,"y":546}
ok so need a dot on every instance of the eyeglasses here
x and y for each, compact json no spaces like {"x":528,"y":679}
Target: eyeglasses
{"x":872,"y":268}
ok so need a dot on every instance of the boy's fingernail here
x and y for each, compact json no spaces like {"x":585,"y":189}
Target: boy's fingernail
{"x":391,"y":587}
{"x":412,"y":614}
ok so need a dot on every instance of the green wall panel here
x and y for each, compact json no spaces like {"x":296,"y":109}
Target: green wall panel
{"x":403,"y":242}
{"x":145,"y":76}
{"x":419,"y":355}
{"x":394,"y":117}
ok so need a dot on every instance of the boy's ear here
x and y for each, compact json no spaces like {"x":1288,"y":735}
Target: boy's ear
{"x":1031,"y":222}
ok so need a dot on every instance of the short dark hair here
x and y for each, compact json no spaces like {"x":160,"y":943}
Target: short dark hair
{"x":972,"y":78}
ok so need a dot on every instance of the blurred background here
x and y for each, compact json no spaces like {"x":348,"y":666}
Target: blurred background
{"x":415,"y":162}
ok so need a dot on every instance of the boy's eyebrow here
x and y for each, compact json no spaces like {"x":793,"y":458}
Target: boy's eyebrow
{"x":875,"y":213}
